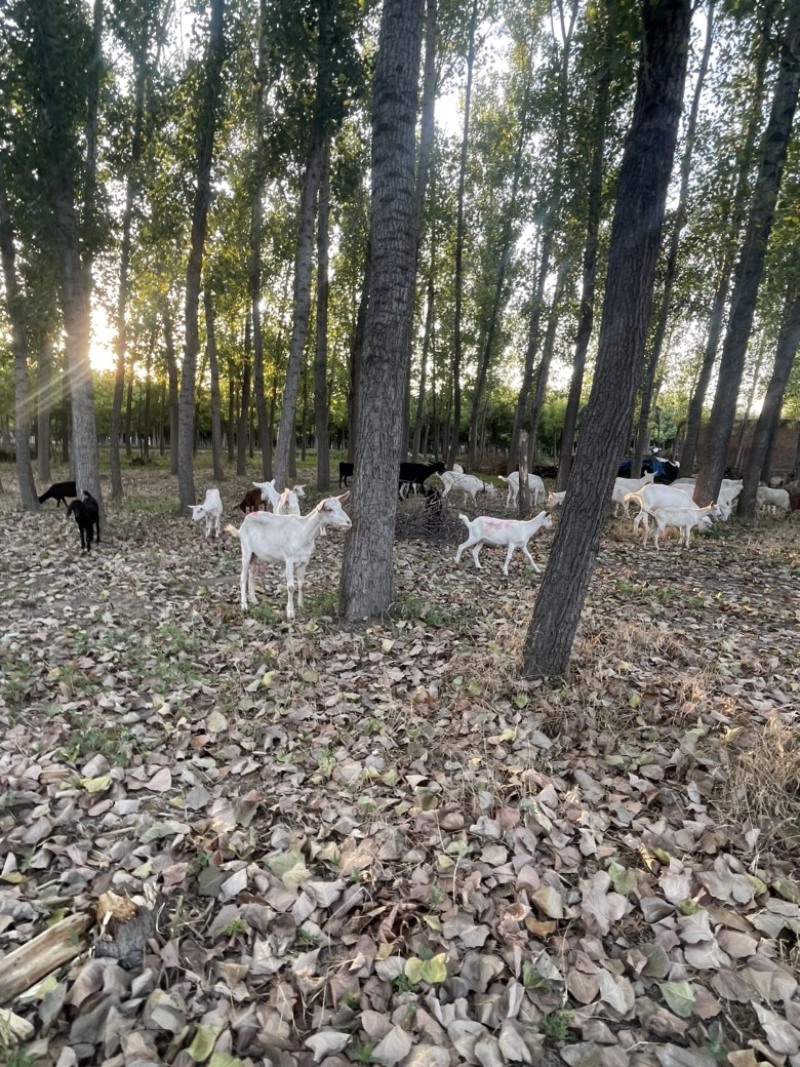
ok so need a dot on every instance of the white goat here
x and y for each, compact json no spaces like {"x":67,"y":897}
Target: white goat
{"x":513,"y":533}
{"x":652,"y":497}
{"x":684,"y":519}
{"x":535,"y":484}
{"x":772,"y":498}
{"x":554,"y":500}
{"x":467,"y":484}
{"x":288,"y":539}
{"x":627,"y":485}
{"x":284,"y":503}
{"x":210,"y":510}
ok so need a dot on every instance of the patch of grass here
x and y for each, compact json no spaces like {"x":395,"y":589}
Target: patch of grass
{"x":555,"y":1024}
{"x":361,"y":1051}
{"x":437,"y":616}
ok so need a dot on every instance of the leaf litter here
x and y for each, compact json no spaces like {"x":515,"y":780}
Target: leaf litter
{"x":319,"y":843}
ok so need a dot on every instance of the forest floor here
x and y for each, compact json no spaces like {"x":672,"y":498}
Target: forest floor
{"x":375,"y":844}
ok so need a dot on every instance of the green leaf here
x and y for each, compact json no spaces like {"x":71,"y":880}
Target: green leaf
{"x":622,"y":878}
{"x":432,"y":971}
{"x":203,"y":1042}
{"x":679,"y":997}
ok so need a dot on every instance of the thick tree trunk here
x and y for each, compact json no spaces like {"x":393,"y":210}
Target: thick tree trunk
{"x":641,"y":196}
{"x":19,"y":344}
{"x":458,"y":282}
{"x":216,"y":403}
{"x":642,"y":443}
{"x":367,"y":583}
{"x":206,"y":127}
{"x":75,"y":285}
{"x":321,"y":353}
{"x":768,"y":419}
{"x":751,"y":263}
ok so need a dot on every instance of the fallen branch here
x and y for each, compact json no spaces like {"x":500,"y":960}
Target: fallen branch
{"x":29,"y":963}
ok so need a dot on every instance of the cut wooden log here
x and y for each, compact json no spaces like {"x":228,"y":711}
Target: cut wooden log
{"x":29,"y":963}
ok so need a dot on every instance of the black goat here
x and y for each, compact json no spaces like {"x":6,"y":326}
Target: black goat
{"x":416,"y":474}
{"x":59,"y":492}
{"x":87,"y":516}
{"x":345,"y":472}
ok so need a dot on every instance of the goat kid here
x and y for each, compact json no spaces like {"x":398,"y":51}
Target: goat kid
{"x":683,"y":519}
{"x":59,"y":491}
{"x":210,"y":510}
{"x":251,"y":501}
{"x":511,"y":533}
{"x":87,"y":516}
{"x":287,"y":539}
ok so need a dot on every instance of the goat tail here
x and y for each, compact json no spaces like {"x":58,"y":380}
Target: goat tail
{"x":502,"y":479}
{"x":464,"y":519}
{"x":228,"y":529}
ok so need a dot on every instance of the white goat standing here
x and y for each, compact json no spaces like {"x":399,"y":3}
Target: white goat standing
{"x":650,"y":498}
{"x":555,"y":500}
{"x":684,"y":519}
{"x":535,"y":484}
{"x":467,"y":484}
{"x":627,"y":485}
{"x":513,"y":533}
{"x":210,"y":510}
{"x":772,"y":498}
{"x":288,"y":539}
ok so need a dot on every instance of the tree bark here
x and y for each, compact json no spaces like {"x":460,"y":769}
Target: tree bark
{"x":321,"y":353}
{"x":75,"y":284}
{"x":543,"y":371}
{"x":19,"y":345}
{"x":205,"y":138}
{"x":751,"y":263}
{"x":423,"y":371}
{"x":458,"y":284}
{"x":635,"y":236}
{"x":244,"y":408}
{"x":216,"y":403}
{"x":44,"y":407}
{"x":356,"y":357}
{"x":367,"y":582}
{"x":768,"y":419}
{"x":642,"y":443}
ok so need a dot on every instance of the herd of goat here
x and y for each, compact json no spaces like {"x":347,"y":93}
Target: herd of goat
{"x":284,"y":535}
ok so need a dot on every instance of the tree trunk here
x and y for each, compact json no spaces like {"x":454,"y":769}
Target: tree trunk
{"x":651,"y":366}
{"x":356,"y":357}
{"x":75,"y":284}
{"x":751,"y":264}
{"x":731,"y":228}
{"x":635,"y":236}
{"x":589,"y":279}
{"x":216,"y":403}
{"x":321,"y":351}
{"x":172,"y":380}
{"x":148,"y":388}
{"x":788,"y":344}
{"x":207,"y":122}
{"x":458,"y":282}
{"x":244,"y":408}
{"x":19,"y":344}
{"x":426,"y":345}
{"x":129,"y":415}
{"x":44,"y":405}
{"x":367,"y":582}
{"x":131,"y":192}
{"x":548,"y":348}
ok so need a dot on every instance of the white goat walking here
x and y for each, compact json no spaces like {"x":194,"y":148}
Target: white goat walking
{"x":288,"y":539}
{"x":210,"y":510}
{"x":684,"y":519}
{"x":627,"y":485}
{"x":512,"y":533}
{"x":535,"y":484}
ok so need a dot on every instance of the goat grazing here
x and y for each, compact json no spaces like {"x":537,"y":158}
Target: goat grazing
{"x":87,"y":516}
{"x":210,"y":510}
{"x":651,"y":498}
{"x":535,"y":484}
{"x":554,"y":500}
{"x":414,"y":475}
{"x":288,"y":539}
{"x":467,"y":484}
{"x":59,"y":492}
{"x":512,"y":533}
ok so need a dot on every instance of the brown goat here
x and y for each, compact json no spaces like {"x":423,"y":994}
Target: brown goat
{"x":252,"y":501}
